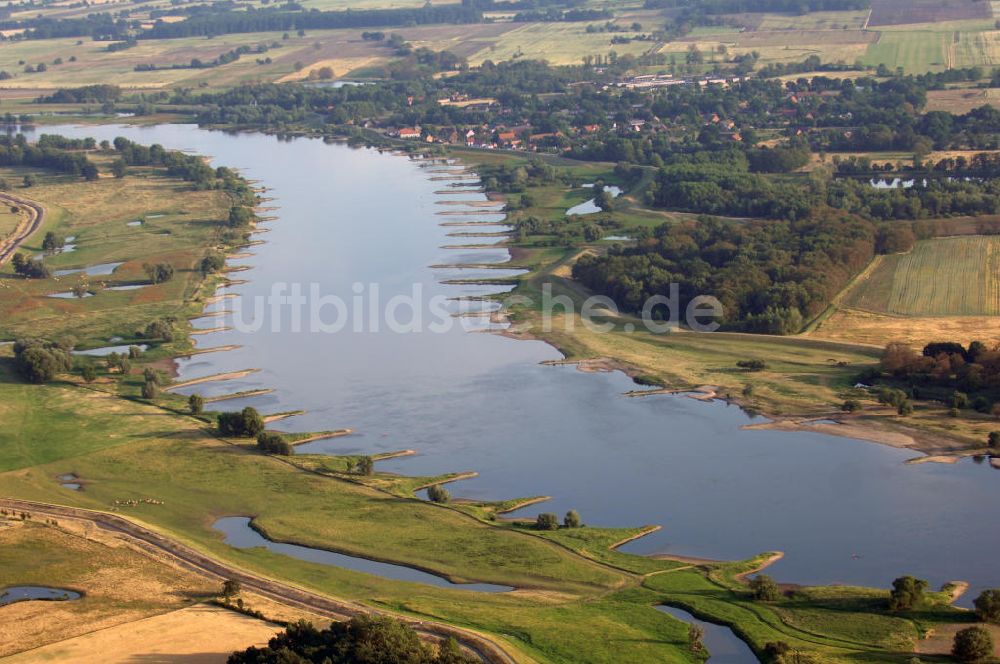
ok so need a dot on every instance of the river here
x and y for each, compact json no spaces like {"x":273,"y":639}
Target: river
{"x":843,"y":511}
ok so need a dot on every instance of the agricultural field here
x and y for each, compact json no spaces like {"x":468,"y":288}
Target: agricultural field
{"x":94,"y":64}
{"x":559,"y":43}
{"x":847,"y":20}
{"x":962,"y":100}
{"x":785,"y":46}
{"x":899,"y":12}
{"x":953,"y":276}
{"x":915,"y":51}
{"x":179,"y":225}
{"x":975,"y":48}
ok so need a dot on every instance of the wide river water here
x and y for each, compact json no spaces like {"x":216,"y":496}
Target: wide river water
{"x":843,"y":511}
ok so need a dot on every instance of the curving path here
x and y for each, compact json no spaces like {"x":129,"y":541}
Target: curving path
{"x":160,"y":546}
{"x":36,"y":214}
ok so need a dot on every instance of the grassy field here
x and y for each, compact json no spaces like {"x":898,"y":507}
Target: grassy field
{"x":569,"y":609}
{"x":940,"y":277}
{"x":179,"y":225}
{"x":559,"y":43}
{"x":915,"y":51}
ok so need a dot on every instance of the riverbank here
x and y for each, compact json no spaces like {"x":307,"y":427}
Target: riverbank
{"x":580,"y":601}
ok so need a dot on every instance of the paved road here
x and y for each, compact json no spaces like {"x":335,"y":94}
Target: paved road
{"x":189,"y":558}
{"x":36,"y":216}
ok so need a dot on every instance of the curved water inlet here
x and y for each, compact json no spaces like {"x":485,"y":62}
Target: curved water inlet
{"x":240,"y":534}
{"x":723,"y":645}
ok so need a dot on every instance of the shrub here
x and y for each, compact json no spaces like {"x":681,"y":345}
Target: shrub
{"x":851,"y":406}
{"x":159,"y":272}
{"x":212,"y":263}
{"x":88,"y":373}
{"x":546,"y":521}
{"x":39,"y":361}
{"x":988,"y":605}
{"x":752,"y":365}
{"x":438,"y":494}
{"x":245,"y":424}
{"x":907,"y":593}
{"x":196,"y":404}
{"x":764,"y":588}
{"x":993,"y":439}
{"x":159,"y":329}
{"x":52,"y":242}
{"x":274,"y":443}
{"x":972,"y":644}
{"x":572,"y":519}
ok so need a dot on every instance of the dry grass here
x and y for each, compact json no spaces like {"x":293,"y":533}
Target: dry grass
{"x":856,"y":326}
{"x":119,"y":585}
{"x":196,"y":635}
{"x":961,"y":100}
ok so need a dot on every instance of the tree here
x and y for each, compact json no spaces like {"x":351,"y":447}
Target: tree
{"x":994,"y":439}
{"x":28,"y":181}
{"x":988,"y":605}
{"x":134,"y":352}
{"x":118,"y":168}
{"x":364,"y":639}
{"x":243,"y":424}
{"x":159,"y":329}
{"x":150,"y":390}
{"x":196,"y":404}
{"x":907,"y":593}
{"x":159,"y":272}
{"x":231,"y":587}
{"x":39,"y":361}
{"x":438,"y":494}
{"x":365,"y":466}
{"x":546,"y":521}
{"x":274,"y":443}
{"x":151,"y":375}
{"x":572,"y":519}
{"x":972,"y":644}
{"x":905,"y":408}
{"x":212,"y":263}
{"x":52,"y":242}
{"x":764,"y":588}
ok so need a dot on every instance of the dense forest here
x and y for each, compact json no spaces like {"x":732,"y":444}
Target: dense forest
{"x":769,"y":276}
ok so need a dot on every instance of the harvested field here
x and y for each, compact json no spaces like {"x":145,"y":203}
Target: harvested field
{"x":903,"y":12}
{"x":847,"y":20}
{"x":961,"y":101}
{"x":856,"y":326}
{"x":196,"y":635}
{"x":954,"y":276}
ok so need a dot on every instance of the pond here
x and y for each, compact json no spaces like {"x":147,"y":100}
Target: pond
{"x":14,"y":594}
{"x":590,"y":207}
{"x":356,"y":221}
{"x":240,"y":534}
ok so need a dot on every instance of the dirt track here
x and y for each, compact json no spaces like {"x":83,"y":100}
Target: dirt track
{"x":159,"y":546}
{"x":36,"y":214}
